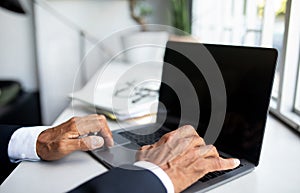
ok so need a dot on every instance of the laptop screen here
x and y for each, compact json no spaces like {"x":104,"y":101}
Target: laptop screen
{"x":248,"y":77}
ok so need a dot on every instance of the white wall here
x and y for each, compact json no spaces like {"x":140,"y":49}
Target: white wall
{"x":102,"y":17}
{"x":17,"y":59}
{"x":58,"y":43}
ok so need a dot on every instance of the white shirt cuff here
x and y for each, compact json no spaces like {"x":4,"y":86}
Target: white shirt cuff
{"x":22,"y":144}
{"x":156,"y":170}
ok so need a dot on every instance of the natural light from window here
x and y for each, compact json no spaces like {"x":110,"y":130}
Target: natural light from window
{"x":263,"y":23}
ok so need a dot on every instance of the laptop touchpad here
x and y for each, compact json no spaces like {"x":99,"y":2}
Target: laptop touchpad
{"x":120,"y":140}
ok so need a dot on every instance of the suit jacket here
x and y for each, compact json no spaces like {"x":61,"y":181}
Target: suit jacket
{"x":123,"y":180}
{"x":118,"y":180}
{"x":6,"y":167}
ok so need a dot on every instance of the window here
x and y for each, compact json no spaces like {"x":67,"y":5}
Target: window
{"x":297,"y":100}
{"x":266,"y":23}
{"x":277,"y":35}
{"x":250,"y":23}
{"x":227,"y":21}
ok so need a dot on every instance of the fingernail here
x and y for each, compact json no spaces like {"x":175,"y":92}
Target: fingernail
{"x":97,"y":142}
{"x":237,"y":162}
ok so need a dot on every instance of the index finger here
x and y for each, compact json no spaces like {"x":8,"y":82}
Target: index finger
{"x":95,"y":124}
{"x":106,"y":133}
{"x":217,"y":164}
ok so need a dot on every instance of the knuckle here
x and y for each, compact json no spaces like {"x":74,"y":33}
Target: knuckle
{"x":217,"y":164}
{"x":144,"y":147}
{"x":102,"y":117}
{"x":166,"y":136}
{"x":73,"y":126}
{"x":211,"y":148}
{"x":169,"y":136}
{"x":73,"y":119}
{"x":189,"y":127}
{"x":201,"y":140}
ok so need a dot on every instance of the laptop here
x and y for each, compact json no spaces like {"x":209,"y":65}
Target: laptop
{"x":224,"y":90}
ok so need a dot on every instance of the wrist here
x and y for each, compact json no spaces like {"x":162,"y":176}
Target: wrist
{"x":176,"y":177}
{"x":22,"y":145}
{"x":42,"y":144}
{"x":159,"y":172}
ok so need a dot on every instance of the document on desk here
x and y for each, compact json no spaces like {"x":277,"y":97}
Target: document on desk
{"x":121,"y":97}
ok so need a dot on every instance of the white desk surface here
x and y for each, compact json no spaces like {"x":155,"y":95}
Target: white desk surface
{"x":278,"y":171}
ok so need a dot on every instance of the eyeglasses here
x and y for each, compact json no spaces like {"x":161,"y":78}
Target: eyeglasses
{"x":137,"y":93}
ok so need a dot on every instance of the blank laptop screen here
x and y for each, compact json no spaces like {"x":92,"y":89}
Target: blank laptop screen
{"x":248,"y":76}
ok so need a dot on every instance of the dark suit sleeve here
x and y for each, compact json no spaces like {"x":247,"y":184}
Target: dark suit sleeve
{"x":120,"y":180}
{"x":6,"y":167}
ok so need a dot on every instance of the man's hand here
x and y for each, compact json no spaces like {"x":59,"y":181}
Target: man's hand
{"x":59,"y":141}
{"x":185,"y":157}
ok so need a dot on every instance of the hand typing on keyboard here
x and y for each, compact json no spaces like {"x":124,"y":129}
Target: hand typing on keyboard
{"x":185,"y":157}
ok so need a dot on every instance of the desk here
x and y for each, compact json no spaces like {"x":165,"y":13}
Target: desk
{"x":278,"y":170}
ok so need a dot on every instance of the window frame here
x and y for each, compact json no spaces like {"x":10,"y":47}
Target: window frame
{"x":284,"y":107}
{"x":297,"y":111}
{"x":283,"y":103}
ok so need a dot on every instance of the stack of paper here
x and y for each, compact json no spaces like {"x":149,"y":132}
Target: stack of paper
{"x":122,"y":97}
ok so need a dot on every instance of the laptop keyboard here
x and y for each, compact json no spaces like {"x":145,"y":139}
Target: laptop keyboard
{"x":143,"y":139}
{"x":212,"y":175}
{"x":153,"y":137}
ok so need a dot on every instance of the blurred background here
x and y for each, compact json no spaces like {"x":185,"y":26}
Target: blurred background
{"x":43,"y":44}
